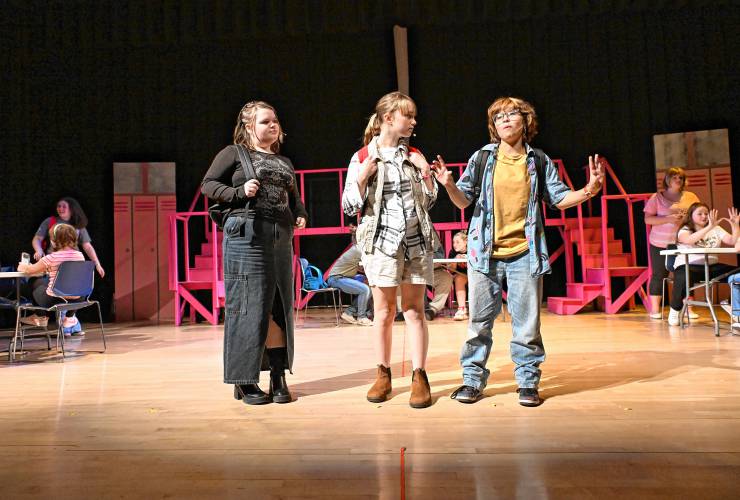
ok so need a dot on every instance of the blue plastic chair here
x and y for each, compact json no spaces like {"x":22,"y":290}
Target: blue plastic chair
{"x":305,"y":291}
{"x":73,"y":279}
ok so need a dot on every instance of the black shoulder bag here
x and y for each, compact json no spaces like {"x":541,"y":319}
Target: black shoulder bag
{"x":218,"y":212}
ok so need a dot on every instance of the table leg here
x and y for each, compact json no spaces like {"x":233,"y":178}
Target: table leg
{"x":708,"y":297}
{"x":688,"y":286}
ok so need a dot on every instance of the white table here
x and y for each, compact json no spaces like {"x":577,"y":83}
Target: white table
{"x":706,"y":252}
{"x":17,"y":275}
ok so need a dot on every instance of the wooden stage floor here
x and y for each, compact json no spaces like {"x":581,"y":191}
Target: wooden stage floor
{"x":634,"y":409}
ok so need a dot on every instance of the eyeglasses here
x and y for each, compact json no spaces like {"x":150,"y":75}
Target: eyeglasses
{"x":507,"y":114}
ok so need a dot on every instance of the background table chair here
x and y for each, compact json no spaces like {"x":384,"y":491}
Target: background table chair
{"x":73,"y":279}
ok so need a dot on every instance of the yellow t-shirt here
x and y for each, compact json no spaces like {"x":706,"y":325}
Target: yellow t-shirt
{"x":511,"y":187}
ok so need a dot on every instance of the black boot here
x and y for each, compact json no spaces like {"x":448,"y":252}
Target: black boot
{"x":251,"y":394}
{"x":279,"y":391}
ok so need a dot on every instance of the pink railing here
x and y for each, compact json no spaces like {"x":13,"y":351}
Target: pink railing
{"x":180,"y":224}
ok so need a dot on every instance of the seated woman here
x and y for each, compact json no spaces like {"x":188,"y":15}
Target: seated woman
{"x":63,"y":239}
{"x":700,"y":230}
{"x":459,"y":250}
{"x":69,"y":212}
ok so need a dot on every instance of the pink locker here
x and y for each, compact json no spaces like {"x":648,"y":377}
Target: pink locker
{"x":166,"y":205}
{"x":145,"y":263}
{"x":123,"y":247}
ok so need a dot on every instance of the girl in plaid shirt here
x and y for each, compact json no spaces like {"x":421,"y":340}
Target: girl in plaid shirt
{"x":389,"y":184}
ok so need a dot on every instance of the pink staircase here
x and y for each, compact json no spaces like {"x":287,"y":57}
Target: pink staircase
{"x":602,"y":256}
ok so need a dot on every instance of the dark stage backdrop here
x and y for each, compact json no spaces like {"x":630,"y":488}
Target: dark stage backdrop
{"x":85,"y":84}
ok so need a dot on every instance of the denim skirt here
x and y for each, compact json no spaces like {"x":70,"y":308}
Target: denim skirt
{"x":258,"y":281}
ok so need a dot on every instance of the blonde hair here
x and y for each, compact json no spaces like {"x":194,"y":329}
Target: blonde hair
{"x":462,"y":234}
{"x":528,"y":115}
{"x":246,"y":118}
{"x":63,"y":236}
{"x":675,"y":171}
{"x":389,"y":103}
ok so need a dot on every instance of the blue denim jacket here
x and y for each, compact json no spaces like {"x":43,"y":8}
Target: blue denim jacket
{"x":481,"y":224}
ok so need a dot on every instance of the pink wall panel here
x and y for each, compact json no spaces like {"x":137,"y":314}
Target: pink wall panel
{"x":166,"y":205}
{"x":146,"y":288}
{"x":123,"y":248}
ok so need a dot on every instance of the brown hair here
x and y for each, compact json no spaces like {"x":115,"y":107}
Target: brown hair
{"x":63,"y":236}
{"x":246,"y":118}
{"x":510,"y":103}
{"x":675,"y":171}
{"x":389,"y":103}
{"x":688,"y":221}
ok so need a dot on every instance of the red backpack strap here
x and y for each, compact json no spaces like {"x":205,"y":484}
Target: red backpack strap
{"x":46,"y":241}
{"x":363,"y":154}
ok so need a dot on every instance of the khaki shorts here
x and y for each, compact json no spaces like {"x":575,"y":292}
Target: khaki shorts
{"x":384,"y":271}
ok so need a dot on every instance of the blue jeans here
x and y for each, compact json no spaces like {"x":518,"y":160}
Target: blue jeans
{"x":351,"y":286}
{"x":734,"y":282}
{"x":524,"y":300}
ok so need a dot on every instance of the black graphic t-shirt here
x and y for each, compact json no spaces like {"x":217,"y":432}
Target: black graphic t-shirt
{"x":277,"y":197}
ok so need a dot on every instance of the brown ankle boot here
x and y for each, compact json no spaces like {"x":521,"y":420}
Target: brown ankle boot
{"x":381,"y":389}
{"x":421,"y":395}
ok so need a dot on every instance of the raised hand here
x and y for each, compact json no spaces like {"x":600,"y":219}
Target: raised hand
{"x":441,"y":173}
{"x":713,"y":218}
{"x":596,"y":174}
{"x":734,"y":216}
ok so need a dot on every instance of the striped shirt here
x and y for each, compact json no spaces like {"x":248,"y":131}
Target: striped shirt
{"x":52,"y":262}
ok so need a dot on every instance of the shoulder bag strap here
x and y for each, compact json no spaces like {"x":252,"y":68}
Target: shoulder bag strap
{"x":246,"y":161}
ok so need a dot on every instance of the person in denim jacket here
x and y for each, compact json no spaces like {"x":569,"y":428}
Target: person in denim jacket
{"x":506,"y":240}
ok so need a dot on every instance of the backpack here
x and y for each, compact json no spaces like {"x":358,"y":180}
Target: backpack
{"x":482,"y":159}
{"x":313,"y":278}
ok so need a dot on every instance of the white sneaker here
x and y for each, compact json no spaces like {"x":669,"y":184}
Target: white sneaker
{"x":348,"y":318}
{"x":674,"y":317}
{"x":460,"y":315}
{"x":693,"y":315}
{"x":656,"y":315}
{"x":365,"y":321}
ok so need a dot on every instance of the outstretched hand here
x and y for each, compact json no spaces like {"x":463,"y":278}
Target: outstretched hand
{"x":441,"y":173}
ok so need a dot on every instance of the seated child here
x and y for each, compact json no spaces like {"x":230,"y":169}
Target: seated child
{"x":700,"y":230}
{"x":63,"y":239}
{"x":459,"y":250}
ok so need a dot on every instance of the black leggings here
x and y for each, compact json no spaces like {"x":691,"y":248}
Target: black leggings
{"x":696,"y":273}
{"x":657,"y":271}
